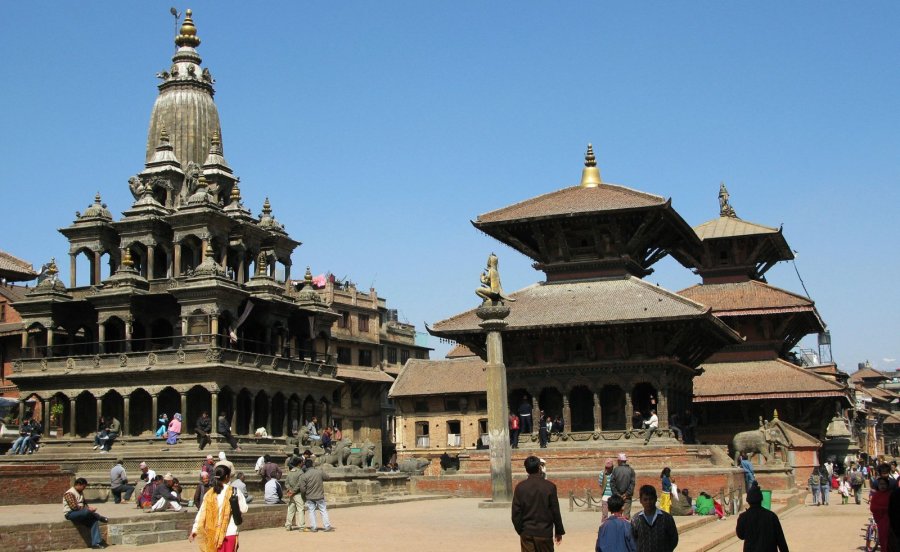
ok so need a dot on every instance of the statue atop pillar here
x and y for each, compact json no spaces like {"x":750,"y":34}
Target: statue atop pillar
{"x":491,"y":290}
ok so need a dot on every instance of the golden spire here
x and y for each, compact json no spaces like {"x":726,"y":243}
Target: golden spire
{"x":51,"y":268}
{"x":210,"y":252}
{"x":126,"y":259}
{"x":775,"y":414}
{"x":590,"y":176}
{"x":235,"y":193}
{"x":188,"y":34}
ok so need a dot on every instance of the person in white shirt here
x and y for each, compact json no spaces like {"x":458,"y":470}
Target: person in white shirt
{"x":651,"y":425}
{"x":218,"y":502}
{"x":273,"y":492}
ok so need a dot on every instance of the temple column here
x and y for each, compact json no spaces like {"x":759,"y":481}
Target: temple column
{"x":214,"y":329}
{"x":268,"y":421}
{"x":662,"y":406}
{"x":95,"y":279}
{"x":99,"y":408}
{"x":567,"y":414}
{"x":129,"y":329}
{"x":176,"y":263}
{"x":154,"y":409}
{"x":126,"y":415}
{"x":214,"y":410}
{"x":183,"y":411}
{"x":535,"y":411}
{"x":101,"y":337}
{"x":50,"y":341}
{"x":149,"y":264}
{"x":71,"y":418}
{"x":21,"y":412}
{"x":45,"y":418}
{"x":25,"y":342}
{"x":73,"y":266}
{"x":242,"y":268}
{"x":493,"y":323}
{"x":284,"y":419}
{"x":287,"y":277}
{"x":598,"y":413}
{"x":629,"y":410}
{"x":252,"y":417}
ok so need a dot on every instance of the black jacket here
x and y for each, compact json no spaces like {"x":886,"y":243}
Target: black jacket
{"x":535,"y":508}
{"x":761,"y":531}
{"x":223,"y":426}
{"x":204,"y":424}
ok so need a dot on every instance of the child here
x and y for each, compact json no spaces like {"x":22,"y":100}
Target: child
{"x":614,"y":534}
{"x":844,"y":488}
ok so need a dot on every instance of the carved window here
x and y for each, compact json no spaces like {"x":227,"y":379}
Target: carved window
{"x":420,"y":354}
{"x":392,"y":355}
{"x":363,"y":322}
{"x":343,"y":355}
{"x":344,"y":320}
{"x":404,"y":356}
{"x":365,"y":357}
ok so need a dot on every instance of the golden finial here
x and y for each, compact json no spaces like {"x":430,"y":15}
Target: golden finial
{"x":126,"y":259}
{"x":210,"y":252}
{"x":51,"y":268}
{"x":590,"y":176}
{"x":307,"y":278}
{"x":201,"y":182}
{"x":725,"y":208}
{"x":235,"y":193}
{"x":775,"y":414}
{"x":188,"y":34}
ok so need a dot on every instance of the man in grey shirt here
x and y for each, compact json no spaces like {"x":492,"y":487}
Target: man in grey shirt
{"x":118,"y":482}
{"x":312,"y":486}
{"x":622,"y":481}
{"x":238,"y":483}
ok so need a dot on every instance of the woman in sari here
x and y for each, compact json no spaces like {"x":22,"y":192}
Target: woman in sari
{"x":214,"y":527}
{"x":174,"y":429}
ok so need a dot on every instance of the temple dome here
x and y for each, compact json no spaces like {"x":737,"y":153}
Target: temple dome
{"x":185,"y":106}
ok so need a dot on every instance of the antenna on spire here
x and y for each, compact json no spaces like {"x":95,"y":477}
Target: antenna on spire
{"x":177,"y":17}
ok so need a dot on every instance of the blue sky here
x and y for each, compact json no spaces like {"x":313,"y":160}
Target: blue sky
{"x":379,"y":129}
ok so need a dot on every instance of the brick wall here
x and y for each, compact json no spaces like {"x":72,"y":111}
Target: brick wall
{"x":62,"y":535}
{"x":33,"y":484}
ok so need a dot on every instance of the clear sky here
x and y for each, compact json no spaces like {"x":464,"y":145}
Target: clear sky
{"x":379,"y":129}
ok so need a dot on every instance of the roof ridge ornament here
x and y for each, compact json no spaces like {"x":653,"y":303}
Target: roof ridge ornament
{"x":590,"y":175}
{"x":188,"y":34}
{"x":725,"y":208}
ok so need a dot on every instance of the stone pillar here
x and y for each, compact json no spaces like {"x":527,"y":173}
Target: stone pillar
{"x":183,"y":412}
{"x":126,"y":415}
{"x":252,"y":415}
{"x":214,"y":329}
{"x":73,"y":267}
{"x":129,"y":329}
{"x":149,"y":264}
{"x":71,"y":418}
{"x":214,"y":410}
{"x":284,"y":419}
{"x":176,"y":262}
{"x":567,"y":414}
{"x":498,"y":425}
{"x":50,"y":341}
{"x":99,"y":408}
{"x":629,"y":410}
{"x":45,"y":417}
{"x":242,"y":267}
{"x":598,"y":413}
{"x":662,"y":406}
{"x":287,"y":277}
{"x":155,"y":409}
{"x":101,"y":337}
{"x":25,"y":343}
{"x":95,"y":278}
{"x":21,"y":412}
{"x":535,"y":411}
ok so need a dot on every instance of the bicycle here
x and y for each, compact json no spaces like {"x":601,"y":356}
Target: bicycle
{"x":872,"y":536}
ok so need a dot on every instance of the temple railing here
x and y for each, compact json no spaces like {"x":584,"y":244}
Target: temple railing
{"x":192,"y":350}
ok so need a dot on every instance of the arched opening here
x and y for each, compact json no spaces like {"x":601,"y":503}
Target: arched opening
{"x":309,"y":409}
{"x":643,"y":398}
{"x":168,"y":402}
{"x":278,"y":414}
{"x":161,"y":332}
{"x":242,"y":413}
{"x":85,"y":414}
{"x":138,"y":253}
{"x":190,"y":254}
{"x":581,"y":406}
{"x":36,"y":341}
{"x":84,"y":268}
{"x":83,"y":340}
{"x":114,"y":335}
{"x":612,"y":406}
{"x":140,"y":413}
{"x":199,"y":400}
{"x":161,"y":263}
{"x":324,"y":412}
{"x":261,"y":412}
{"x":139,"y":341}
{"x":224,"y":406}
{"x":113,"y":406}
{"x":108,"y":265}
{"x":294,"y":414}
{"x":515,"y":398}
{"x":59,"y":418}
{"x":551,"y":401}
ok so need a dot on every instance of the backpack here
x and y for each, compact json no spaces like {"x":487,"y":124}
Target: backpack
{"x":815,"y":479}
{"x":856,"y":479}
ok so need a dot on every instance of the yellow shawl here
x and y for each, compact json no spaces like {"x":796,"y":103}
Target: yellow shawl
{"x":212,"y":528}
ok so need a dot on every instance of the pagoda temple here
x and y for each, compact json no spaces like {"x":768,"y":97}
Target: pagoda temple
{"x":752,"y":379}
{"x":193,"y":315}
{"x":594,"y":342}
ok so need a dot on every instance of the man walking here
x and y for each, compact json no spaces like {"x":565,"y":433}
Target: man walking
{"x":535,"y":511}
{"x":118,"y":482}
{"x":312,"y":486}
{"x":856,"y":483}
{"x":749,"y":476}
{"x":202,"y":430}
{"x":224,"y":429}
{"x":296,"y":502}
{"x":622,"y":482}
{"x":77,"y":511}
{"x":759,"y":528}
{"x":653,"y":529}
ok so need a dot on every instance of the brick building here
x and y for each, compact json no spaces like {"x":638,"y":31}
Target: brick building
{"x":12,"y":271}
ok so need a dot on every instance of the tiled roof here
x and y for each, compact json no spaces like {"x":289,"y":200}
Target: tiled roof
{"x":11,"y":328}
{"x":575,"y":200}
{"x":729,"y":227}
{"x":573,"y":303}
{"x":438,"y":377}
{"x":761,"y":379}
{"x":460,"y":351}
{"x":14,"y":265}
{"x":744,"y":296}
{"x":14,"y":293}
{"x":878,"y":393}
{"x":867,"y":373}
{"x":353,"y":373}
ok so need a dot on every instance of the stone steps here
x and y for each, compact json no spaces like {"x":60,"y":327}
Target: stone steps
{"x":144,"y":532}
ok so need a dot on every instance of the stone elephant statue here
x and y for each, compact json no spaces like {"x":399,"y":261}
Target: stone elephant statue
{"x":414,"y":465}
{"x":759,"y":441}
{"x":363,"y":458}
{"x":338,"y":456}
